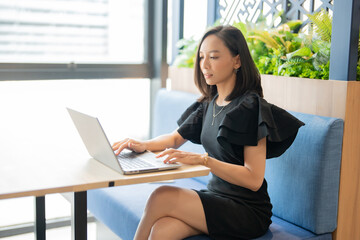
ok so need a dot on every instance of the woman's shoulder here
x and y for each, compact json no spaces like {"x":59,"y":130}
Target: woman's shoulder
{"x":194,"y":112}
{"x":249,"y":101}
{"x":197,"y":106}
{"x":253,"y":118}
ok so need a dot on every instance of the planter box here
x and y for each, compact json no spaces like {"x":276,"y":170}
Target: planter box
{"x":182,"y":79}
{"x":314,"y":96}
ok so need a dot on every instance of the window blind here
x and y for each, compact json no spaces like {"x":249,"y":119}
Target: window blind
{"x":53,"y":30}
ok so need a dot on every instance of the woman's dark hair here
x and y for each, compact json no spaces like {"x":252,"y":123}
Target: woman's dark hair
{"x":247,"y":76}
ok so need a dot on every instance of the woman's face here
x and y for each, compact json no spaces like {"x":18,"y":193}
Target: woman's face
{"x":216,"y":62}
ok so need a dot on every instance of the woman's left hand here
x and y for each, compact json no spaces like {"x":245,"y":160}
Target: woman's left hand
{"x":177,"y":156}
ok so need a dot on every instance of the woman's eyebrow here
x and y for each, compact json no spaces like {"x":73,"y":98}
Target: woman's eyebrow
{"x":211,"y":51}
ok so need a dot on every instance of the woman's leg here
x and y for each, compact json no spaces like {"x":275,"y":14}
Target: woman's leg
{"x":180,"y":205}
{"x":170,"y":228}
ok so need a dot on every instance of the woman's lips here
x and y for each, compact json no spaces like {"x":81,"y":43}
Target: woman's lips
{"x":207,"y":75}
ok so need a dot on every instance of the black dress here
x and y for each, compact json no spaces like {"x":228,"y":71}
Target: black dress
{"x":231,"y":211}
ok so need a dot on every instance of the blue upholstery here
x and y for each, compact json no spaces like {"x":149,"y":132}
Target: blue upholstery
{"x":281,"y":230}
{"x":120,"y":208}
{"x":167,"y":111}
{"x":303,"y":182}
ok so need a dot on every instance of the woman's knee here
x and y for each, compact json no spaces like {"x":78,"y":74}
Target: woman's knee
{"x":159,"y":230}
{"x":171,"y":228}
{"x":163,"y":195}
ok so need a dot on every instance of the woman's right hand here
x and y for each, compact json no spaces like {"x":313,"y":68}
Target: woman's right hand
{"x":131,"y":144}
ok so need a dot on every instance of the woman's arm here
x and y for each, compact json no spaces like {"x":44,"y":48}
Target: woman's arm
{"x":250,"y":176}
{"x":171,"y":140}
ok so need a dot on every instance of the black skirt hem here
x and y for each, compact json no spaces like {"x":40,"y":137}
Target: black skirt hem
{"x":227,"y":219}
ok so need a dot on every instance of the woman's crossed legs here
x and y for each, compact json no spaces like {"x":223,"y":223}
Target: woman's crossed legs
{"x":172,"y":213}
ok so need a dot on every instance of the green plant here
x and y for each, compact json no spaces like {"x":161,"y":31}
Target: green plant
{"x":286,"y":52}
{"x":322,"y":23}
{"x":283,"y":50}
{"x":187,"y":52}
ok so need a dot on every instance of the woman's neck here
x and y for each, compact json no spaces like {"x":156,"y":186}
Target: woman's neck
{"x":220,"y":100}
{"x":224,"y":90}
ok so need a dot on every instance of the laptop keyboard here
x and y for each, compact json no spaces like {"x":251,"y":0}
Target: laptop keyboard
{"x":131,"y":161}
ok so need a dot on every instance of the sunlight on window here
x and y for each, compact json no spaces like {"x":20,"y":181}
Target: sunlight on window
{"x":87,"y":31}
{"x":195,"y":19}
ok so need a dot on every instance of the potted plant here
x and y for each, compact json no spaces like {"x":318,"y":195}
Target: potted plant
{"x":292,"y":64}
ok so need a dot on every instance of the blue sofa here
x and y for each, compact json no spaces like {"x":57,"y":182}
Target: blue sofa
{"x":303,"y":183}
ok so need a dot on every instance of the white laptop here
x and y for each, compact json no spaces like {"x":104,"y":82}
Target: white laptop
{"x":99,"y":148}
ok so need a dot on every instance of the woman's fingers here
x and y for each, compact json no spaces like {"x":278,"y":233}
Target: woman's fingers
{"x":171,"y":158}
{"x":172,"y":155}
{"x":128,"y":143}
{"x":136,"y":147}
{"x":116,"y":145}
{"x":121,"y":145}
{"x":169,"y":152}
{"x":165,"y":152}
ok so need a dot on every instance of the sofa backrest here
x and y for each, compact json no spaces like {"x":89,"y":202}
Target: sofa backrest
{"x":169,"y":105}
{"x":303,"y":183}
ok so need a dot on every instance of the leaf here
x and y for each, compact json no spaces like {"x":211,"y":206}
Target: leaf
{"x":279,"y":37}
{"x":187,"y":52}
{"x":302,"y":52}
{"x":322,"y":22}
{"x":295,"y":60}
{"x":265,"y":37}
{"x":242,"y":27}
{"x":294,"y":25}
{"x":322,"y":57}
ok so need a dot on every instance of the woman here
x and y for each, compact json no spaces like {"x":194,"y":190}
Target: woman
{"x":238,"y":129}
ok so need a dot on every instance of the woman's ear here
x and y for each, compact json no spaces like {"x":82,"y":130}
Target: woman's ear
{"x":237,"y":62}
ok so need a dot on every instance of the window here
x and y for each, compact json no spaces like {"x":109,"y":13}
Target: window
{"x":73,"y":40}
{"x":192,"y":19}
{"x":79,"y":31}
{"x":195,"y":16}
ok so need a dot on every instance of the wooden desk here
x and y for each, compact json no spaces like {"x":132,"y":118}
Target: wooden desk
{"x":35,"y":177}
{"x":42,"y":153}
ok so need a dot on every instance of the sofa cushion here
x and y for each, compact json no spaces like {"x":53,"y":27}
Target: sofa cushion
{"x":120,"y":208}
{"x":303,"y":183}
{"x":281,"y":230}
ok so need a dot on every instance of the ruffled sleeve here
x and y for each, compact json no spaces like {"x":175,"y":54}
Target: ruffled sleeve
{"x":190,"y":122}
{"x":252,"y":119}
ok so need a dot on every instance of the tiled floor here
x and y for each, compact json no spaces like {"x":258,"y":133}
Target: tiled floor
{"x":63,"y":233}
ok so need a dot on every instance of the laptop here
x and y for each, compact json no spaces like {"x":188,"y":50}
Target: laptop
{"x":98,"y":146}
